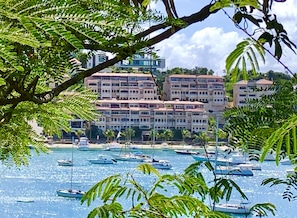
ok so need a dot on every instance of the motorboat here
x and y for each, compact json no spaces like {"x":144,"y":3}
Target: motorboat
{"x":290,"y":171}
{"x":102,"y":159}
{"x":286,"y":161}
{"x":162,"y":164}
{"x":128,"y":157}
{"x":185,"y":151}
{"x":250,"y":165}
{"x":234,"y":170}
{"x":70,"y":193}
{"x":159,"y":164}
{"x":65,"y":162}
{"x":221,"y":161}
{"x":240,"y":208}
{"x":83,"y":144}
{"x":270,"y":156}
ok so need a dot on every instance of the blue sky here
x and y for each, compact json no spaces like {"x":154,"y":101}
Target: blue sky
{"x":207,"y":44}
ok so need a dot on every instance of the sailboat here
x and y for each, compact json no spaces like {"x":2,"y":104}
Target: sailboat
{"x":70,"y":193}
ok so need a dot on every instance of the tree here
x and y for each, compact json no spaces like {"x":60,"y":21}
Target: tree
{"x":167,"y":134}
{"x":128,"y":133}
{"x":265,"y":123}
{"x":168,"y":195}
{"x":109,"y":134}
{"x":185,"y":134}
{"x":202,"y":139}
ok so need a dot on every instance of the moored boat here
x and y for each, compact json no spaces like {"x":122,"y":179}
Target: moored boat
{"x":233,"y":208}
{"x":128,"y":157}
{"x":234,"y":170}
{"x":185,"y":151}
{"x":102,"y":159}
{"x":70,"y":193}
{"x":83,"y":144}
{"x":65,"y":162}
{"x":162,"y":164}
{"x":220,"y":161}
{"x":286,"y":161}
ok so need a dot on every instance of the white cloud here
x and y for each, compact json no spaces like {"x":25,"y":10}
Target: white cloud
{"x":208,"y":47}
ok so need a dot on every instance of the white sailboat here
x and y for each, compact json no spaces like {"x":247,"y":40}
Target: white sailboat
{"x":70,"y":193}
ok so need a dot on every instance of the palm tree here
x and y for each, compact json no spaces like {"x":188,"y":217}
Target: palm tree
{"x":129,"y":133}
{"x":185,"y":134}
{"x":201,"y":138}
{"x":153,"y":135}
{"x":167,"y":134}
{"x":159,"y":135}
{"x":109,"y":134}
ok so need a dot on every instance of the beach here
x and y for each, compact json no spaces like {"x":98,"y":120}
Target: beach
{"x":139,"y":146}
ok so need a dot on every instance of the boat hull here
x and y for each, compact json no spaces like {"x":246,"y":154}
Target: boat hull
{"x":234,"y":171}
{"x":70,"y":193}
{"x":100,"y":161}
{"x":232,"y":208}
{"x":162,"y":166}
{"x":65,"y":163}
{"x":185,"y":152}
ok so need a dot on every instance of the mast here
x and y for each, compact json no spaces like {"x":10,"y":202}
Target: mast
{"x":71,"y":172}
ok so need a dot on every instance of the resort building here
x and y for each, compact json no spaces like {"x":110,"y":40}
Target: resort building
{"x":130,"y":100}
{"x":247,"y":90}
{"x":151,"y":114}
{"x":207,"y":89}
{"x":123,"y":86}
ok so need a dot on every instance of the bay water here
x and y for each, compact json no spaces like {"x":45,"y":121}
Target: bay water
{"x":30,"y":192}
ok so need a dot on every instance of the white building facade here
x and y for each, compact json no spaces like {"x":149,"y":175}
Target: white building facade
{"x":207,"y":89}
{"x":123,"y":86}
{"x":130,"y":100}
{"x":247,"y":90}
{"x":153,"y":114}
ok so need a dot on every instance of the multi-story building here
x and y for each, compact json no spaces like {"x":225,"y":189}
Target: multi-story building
{"x":96,"y":59}
{"x":142,"y":63}
{"x":207,"y":89}
{"x":246,"y":90}
{"x":151,"y":114}
{"x":131,"y":100}
{"x":123,"y":86}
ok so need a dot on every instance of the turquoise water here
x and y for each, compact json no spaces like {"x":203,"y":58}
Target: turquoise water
{"x":39,"y":182}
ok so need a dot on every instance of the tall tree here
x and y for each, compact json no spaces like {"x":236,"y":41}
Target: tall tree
{"x":109,"y":134}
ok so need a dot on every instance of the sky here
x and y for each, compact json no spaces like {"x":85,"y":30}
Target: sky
{"x":207,"y":44}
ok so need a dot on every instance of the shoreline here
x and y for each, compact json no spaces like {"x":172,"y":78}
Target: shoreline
{"x":137,"y":146}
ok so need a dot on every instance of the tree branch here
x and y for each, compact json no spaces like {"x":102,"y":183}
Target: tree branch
{"x":123,"y":53}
